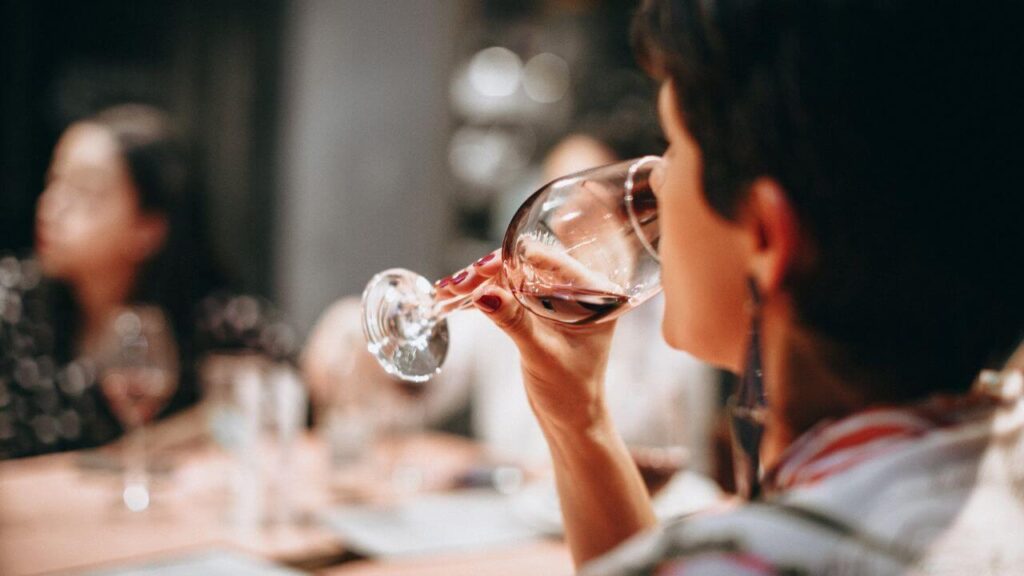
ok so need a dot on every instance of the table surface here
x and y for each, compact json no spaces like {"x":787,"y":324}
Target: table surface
{"x":58,"y":513}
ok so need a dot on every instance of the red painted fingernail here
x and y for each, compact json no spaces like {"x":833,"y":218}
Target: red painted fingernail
{"x":484,"y":260}
{"x":460,"y":277}
{"x":489,"y":302}
{"x":444,"y":281}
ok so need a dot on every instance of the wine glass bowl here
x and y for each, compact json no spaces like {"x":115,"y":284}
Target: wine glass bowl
{"x":583,"y":248}
{"x":580,"y":250}
{"x":658,"y":464}
{"x":136,"y":394}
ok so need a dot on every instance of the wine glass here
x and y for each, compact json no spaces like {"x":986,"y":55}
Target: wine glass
{"x":659,"y":448}
{"x":139,"y":363}
{"x":580,"y":250}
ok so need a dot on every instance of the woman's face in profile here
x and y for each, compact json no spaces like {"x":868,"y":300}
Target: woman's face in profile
{"x":89,"y":208}
{"x":703,"y":256}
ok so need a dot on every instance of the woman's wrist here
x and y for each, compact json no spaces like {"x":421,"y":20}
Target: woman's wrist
{"x":593,"y":433}
{"x":573,"y":421}
{"x":602,"y":495}
{"x":566,"y":407}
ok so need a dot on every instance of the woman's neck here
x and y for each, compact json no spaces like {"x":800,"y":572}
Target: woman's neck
{"x":97,"y":296}
{"x":801,"y":388}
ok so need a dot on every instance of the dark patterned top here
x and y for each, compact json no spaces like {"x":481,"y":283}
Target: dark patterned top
{"x":45,"y":405}
{"x":50,"y":401}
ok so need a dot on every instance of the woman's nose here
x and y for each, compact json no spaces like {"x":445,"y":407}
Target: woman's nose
{"x":51,"y":203}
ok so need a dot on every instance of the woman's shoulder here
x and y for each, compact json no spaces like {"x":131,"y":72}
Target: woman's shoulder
{"x":753,"y":539}
{"x":20,"y":280}
{"x":27,"y":307}
{"x":917,"y":504}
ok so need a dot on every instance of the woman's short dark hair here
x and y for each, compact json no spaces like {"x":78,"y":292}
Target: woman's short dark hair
{"x":895,"y":131}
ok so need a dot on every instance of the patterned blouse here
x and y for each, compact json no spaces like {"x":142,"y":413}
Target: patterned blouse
{"x":45,"y":405}
{"x":936,"y":488}
{"x":50,"y":402}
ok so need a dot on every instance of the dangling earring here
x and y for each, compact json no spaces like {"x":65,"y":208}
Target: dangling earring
{"x":746,"y":409}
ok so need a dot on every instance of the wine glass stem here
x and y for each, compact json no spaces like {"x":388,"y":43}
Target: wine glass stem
{"x":136,"y":479}
{"x":443,"y":308}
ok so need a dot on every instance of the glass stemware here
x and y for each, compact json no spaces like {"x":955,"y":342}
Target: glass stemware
{"x":580,"y":250}
{"x":139,"y":363}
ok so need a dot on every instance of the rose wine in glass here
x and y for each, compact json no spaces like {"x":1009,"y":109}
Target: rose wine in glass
{"x":580,"y":250}
{"x":571,"y":305}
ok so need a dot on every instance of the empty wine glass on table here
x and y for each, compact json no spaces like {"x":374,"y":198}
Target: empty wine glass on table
{"x":659,"y":448}
{"x":580,"y":250}
{"x":139,"y":370}
{"x":401,"y":420}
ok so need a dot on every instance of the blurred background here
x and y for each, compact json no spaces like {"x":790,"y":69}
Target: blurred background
{"x":336,"y":137}
{"x":330,"y":139}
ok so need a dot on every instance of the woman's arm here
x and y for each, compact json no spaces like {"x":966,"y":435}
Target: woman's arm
{"x":603,"y":498}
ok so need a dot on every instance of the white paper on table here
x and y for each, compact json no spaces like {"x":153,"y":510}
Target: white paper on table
{"x":688,"y":492}
{"x":469,"y":519}
{"x":207,"y":563}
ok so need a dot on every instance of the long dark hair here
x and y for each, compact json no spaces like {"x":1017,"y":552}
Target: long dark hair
{"x":182,"y":271}
{"x":894,"y":129}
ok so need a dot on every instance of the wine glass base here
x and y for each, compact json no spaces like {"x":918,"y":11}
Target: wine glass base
{"x":136,"y":497}
{"x":398,"y":321}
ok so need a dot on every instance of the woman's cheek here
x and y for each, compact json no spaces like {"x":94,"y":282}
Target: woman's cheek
{"x":97,"y":243}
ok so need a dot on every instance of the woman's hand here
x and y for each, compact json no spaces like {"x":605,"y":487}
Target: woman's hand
{"x":563,"y":366}
{"x":602,"y":496}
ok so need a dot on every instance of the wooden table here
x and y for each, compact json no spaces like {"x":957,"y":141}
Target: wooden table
{"x":541,"y":558}
{"x":56,"y":516}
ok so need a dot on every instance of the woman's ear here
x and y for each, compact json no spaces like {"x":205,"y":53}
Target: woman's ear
{"x":149,"y":236}
{"x":774,"y":233}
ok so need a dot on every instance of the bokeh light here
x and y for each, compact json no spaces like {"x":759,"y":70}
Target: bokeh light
{"x":495,"y":71}
{"x":546,"y":78}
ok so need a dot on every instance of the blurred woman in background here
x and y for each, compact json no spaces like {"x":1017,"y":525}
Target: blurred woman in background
{"x":118,"y":222}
